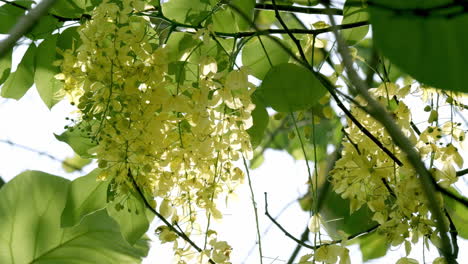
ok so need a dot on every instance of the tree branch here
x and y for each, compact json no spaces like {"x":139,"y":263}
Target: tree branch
{"x":299,"y":9}
{"x":23,"y":26}
{"x":299,"y":242}
{"x":378,"y":112}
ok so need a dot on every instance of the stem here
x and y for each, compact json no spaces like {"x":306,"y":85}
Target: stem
{"x":254,"y":205}
{"x":179,"y":233}
{"x":298,"y":9}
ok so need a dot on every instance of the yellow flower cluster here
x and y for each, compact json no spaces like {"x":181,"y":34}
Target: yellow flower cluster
{"x":178,"y":139}
{"x":367,"y":176}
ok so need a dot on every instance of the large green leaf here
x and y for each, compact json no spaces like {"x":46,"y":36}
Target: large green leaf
{"x":5,"y":66}
{"x":261,"y":53}
{"x":459,"y":214}
{"x":30,"y":232}
{"x":337,"y":217}
{"x":289,"y":87}
{"x":226,"y":19}
{"x":10,"y":14}
{"x":78,"y":139}
{"x":260,"y":122}
{"x":86,"y":195}
{"x":132,"y":216}
{"x":46,"y":83}
{"x":19,"y":82}
{"x":187,"y":11}
{"x":69,"y":38}
{"x":373,"y":246}
{"x":44,"y":27}
{"x":431,"y":47}
{"x":73,"y":8}
{"x":355,"y":11}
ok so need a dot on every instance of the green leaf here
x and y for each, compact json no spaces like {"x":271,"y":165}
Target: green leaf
{"x":247,"y":7}
{"x":187,"y":11}
{"x":44,"y":28}
{"x":86,"y":195}
{"x":179,"y":43}
{"x":459,"y":214}
{"x":68,"y":39}
{"x":226,"y":19}
{"x":336,"y":215}
{"x":430,"y":48}
{"x":289,"y":87}
{"x":131,"y":214}
{"x":72,"y":8}
{"x":75,"y":163}
{"x":5,"y":66}
{"x":10,"y":14}
{"x":373,"y":246}
{"x":260,"y":122}
{"x":46,"y":83}
{"x":19,"y":82}
{"x":78,"y":139}
{"x":261,"y":53}
{"x":355,"y":11}
{"x":30,"y":232}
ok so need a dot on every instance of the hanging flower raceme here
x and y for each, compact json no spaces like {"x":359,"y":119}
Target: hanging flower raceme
{"x":178,"y":139}
{"x":366,"y":175}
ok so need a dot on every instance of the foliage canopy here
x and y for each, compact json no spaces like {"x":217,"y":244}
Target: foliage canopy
{"x":178,"y":100}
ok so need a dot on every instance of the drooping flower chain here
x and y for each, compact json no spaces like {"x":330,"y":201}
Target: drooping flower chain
{"x":179,"y":140}
{"x":367,"y":176}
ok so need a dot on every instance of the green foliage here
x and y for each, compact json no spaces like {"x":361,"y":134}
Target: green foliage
{"x":30,"y":227}
{"x":226,"y":19}
{"x":78,"y":139}
{"x":10,"y":14}
{"x":73,"y":8}
{"x":75,"y":163}
{"x":373,"y":246}
{"x":187,"y":11}
{"x":131,"y":215}
{"x":430,"y":48}
{"x":46,"y":83}
{"x":260,"y":122}
{"x":5,"y":66}
{"x":44,"y":28}
{"x":459,"y":214}
{"x":261,"y":53}
{"x":289,"y":87}
{"x":19,"y":82}
{"x":86,"y":195}
{"x":355,"y":11}
{"x":337,"y":216}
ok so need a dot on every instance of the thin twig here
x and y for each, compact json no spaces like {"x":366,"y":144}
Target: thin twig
{"x":333,"y":242}
{"x":162,"y":218}
{"x":41,"y":153}
{"x":254,"y":205}
{"x":299,"y":9}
